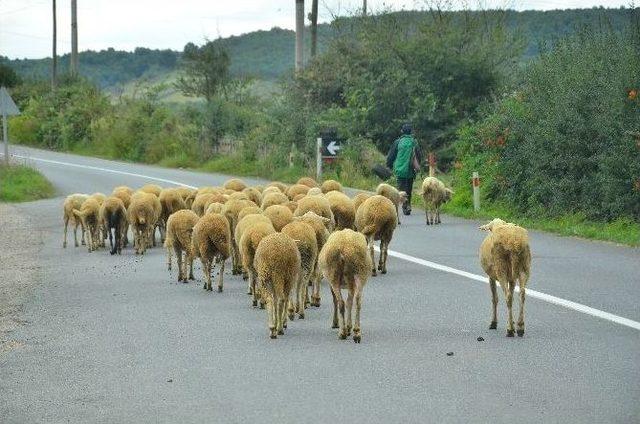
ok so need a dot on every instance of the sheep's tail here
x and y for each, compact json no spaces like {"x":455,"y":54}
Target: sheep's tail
{"x":78,"y":213}
{"x":512,"y":243}
{"x":369,"y":229}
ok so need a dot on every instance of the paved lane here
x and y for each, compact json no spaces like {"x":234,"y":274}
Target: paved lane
{"x":106,"y":334}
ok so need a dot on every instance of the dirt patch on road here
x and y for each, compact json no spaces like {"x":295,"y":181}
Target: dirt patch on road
{"x":19,"y":269}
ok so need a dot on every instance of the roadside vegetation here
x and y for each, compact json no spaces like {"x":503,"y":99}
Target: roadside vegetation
{"x":20,"y":183}
{"x":555,"y":138}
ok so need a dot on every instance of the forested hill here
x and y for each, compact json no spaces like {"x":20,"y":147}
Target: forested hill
{"x":269,"y":54}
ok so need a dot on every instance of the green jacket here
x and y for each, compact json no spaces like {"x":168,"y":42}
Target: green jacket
{"x":401,"y":155}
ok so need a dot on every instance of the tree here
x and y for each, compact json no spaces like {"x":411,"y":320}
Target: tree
{"x":8,"y":77}
{"x":205,"y":70}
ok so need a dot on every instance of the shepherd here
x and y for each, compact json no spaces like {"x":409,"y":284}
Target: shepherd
{"x":403,"y":158}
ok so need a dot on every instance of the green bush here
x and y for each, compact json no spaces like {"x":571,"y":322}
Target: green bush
{"x":23,"y":184}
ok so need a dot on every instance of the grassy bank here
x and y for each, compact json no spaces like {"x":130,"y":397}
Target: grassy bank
{"x":22,"y":184}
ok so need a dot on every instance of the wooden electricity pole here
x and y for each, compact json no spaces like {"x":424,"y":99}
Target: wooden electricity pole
{"x":299,"y":35}
{"x":74,"y":38}
{"x":314,"y":27}
{"x":364,"y":7}
{"x":54,"y":65}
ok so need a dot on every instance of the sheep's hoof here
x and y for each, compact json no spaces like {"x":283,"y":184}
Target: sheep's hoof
{"x":374,"y":273}
{"x":210,"y":288}
{"x":520,"y":332}
{"x":185,"y":281}
{"x":357,"y":338}
{"x":510,"y":333}
{"x":379,"y":267}
{"x":334,"y":325}
{"x":64,"y":245}
{"x":384,"y":271}
{"x":219,"y":289}
{"x":342,"y":336}
{"x":300,"y":316}
{"x":273,"y":336}
{"x":254,"y":303}
{"x":291,"y":316}
{"x":261,"y":305}
{"x":281,"y":332}
{"x":204,"y":287}
{"x":493,"y":325}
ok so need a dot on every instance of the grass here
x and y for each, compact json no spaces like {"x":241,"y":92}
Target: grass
{"x":23,"y":184}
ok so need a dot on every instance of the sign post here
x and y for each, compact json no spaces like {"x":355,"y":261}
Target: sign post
{"x":327,"y":147}
{"x":7,"y":108}
{"x":476,"y":191}
{"x":319,"y":159}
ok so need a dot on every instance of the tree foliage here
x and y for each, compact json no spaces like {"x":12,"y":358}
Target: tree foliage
{"x":205,"y":70}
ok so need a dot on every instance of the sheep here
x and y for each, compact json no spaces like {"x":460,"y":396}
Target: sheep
{"x":344,"y":212}
{"x":308,"y":181}
{"x":296,"y":189}
{"x":359,"y":198}
{"x":298,"y":197}
{"x":239,"y":195}
{"x":201,"y":202}
{"x":305,"y":237}
{"x":251,"y":238}
{"x":280,"y":186}
{"x":241,"y":226}
{"x":249,"y":210}
{"x":277,"y":265}
{"x":179,"y":239}
{"x":279,"y":215}
{"x":89,"y":214}
{"x":212,"y":242}
{"x":123,"y":194}
{"x":102,"y":231}
{"x":434,"y":194}
{"x":185,"y":192}
{"x":99,"y":197}
{"x":376,"y":219}
{"x":391,"y":193}
{"x":314,"y":191}
{"x":142,"y":219}
{"x":258,"y":187}
{"x":345,"y":263}
{"x":231,"y":210}
{"x":235,"y":185}
{"x":271,"y":199}
{"x":73,"y":201}
{"x":271,"y":189}
{"x":124,"y":188}
{"x":330,"y":185}
{"x":113,"y":216}
{"x":505,"y":256}
{"x":214,"y":207}
{"x":319,"y":225}
{"x":170,"y":201}
{"x":253,"y":194}
{"x":318,"y":204}
{"x":151,"y":188}
{"x":291,"y":205}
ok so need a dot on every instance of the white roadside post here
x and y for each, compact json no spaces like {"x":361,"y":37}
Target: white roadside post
{"x":7,"y":107}
{"x":318,"y":158}
{"x":476,"y":192}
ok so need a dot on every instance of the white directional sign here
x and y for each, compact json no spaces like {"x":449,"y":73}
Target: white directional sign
{"x":331,"y":144}
{"x":333,"y":148}
{"x":7,"y":106}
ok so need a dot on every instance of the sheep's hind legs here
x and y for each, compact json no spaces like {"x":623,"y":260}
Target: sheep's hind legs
{"x":494,"y":304}
{"x":520,"y":330}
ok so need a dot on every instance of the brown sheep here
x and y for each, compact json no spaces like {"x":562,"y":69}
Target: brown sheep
{"x":291,"y":205}
{"x":122,"y":194}
{"x":271,"y":189}
{"x":124,"y":188}
{"x":280,"y":186}
{"x":277,"y":266}
{"x":397,"y":197}
{"x":249,"y":210}
{"x":271,"y":199}
{"x":376,"y":219}
{"x":344,"y":213}
{"x":319,"y":225}
{"x":89,"y":214}
{"x":359,"y":199}
{"x":297,"y":189}
{"x":170,"y":201}
{"x":318,"y":204}
{"x":73,"y":201}
{"x":435,"y":194}
{"x":214,"y":207}
{"x":201,"y":202}
{"x":314,"y":191}
{"x":238,"y":195}
{"x":235,"y":184}
{"x":279,"y":216}
{"x":345,"y":264}
{"x":308,"y":181}
{"x":142,"y":219}
{"x":243,"y":224}
{"x":305,"y":238}
{"x":249,"y":242}
{"x":253,"y":194}
{"x":212,"y":242}
{"x":505,"y":256}
{"x":179,"y":234}
{"x":330,"y":185}
{"x":231,"y":210}
{"x":151,"y":188}
{"x":113,"y":216}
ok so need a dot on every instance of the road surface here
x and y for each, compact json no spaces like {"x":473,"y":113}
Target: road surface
{"x":115,"y":339}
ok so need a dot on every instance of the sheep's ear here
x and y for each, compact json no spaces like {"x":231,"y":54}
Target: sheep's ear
{"x":485,"y":227}
{"x":450,"y":191}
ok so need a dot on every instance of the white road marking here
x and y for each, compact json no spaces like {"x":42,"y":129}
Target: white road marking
{"x":433,"y":265}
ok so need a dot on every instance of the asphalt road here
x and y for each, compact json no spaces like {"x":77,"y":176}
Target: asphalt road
{"x":114,"y":339}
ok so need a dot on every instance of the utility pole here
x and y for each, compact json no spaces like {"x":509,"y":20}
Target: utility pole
{"x":364,"y":7}
{"x":74,"y":38}
{"x":54,"y":65}
{"x":299,"y":35}
{"x":314,"y":27}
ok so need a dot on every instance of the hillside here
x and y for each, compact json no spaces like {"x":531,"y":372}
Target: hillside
{"x":269,"y":54}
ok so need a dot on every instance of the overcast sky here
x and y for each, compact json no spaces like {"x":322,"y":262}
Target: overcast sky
{"x":25,"y":25}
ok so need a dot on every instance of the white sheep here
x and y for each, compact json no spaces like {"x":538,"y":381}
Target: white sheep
{"x":435,"y":194}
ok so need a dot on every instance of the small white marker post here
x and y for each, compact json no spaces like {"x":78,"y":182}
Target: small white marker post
{"x":476,"y":191}
{"x":318,"y":159}
{"x":7,"y":107}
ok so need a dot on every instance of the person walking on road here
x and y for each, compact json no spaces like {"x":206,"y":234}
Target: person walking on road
{"x":403,"y":159}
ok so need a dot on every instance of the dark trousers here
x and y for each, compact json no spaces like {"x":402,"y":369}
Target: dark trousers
{"x":406,"y":185}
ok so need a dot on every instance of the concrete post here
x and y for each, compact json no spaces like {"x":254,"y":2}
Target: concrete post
{"x":476,"y":192}
{"x":5,"y":138}
{"x":318,"y":159}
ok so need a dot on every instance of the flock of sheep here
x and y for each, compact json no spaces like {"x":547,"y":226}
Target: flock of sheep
{"x":283,"y":239}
